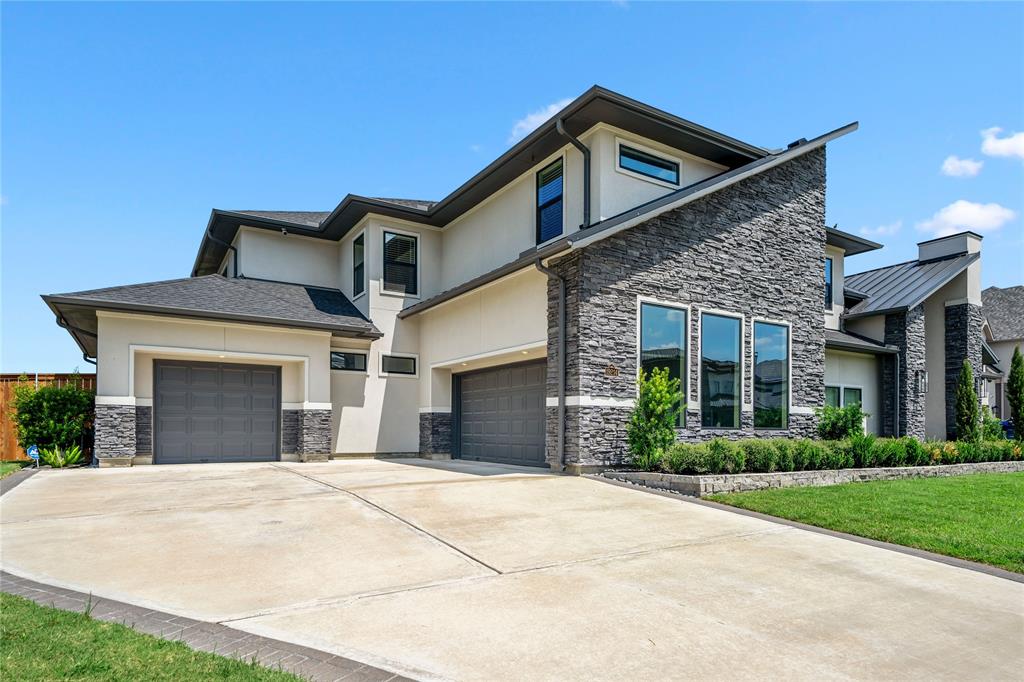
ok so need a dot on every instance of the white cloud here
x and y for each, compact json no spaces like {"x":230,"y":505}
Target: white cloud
{"x":475,"y":148}
{"x":882,"y":230}
{"x":956,"y":167}
{"x":1011,"y":145}
{"x":966,"y":215}
{"x":532,"y":121}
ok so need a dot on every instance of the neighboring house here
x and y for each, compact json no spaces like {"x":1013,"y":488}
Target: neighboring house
{"x":1004,"y":331}
{"x":505,"y":322}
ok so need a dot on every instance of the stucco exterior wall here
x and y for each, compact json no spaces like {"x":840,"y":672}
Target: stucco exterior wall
{"x":857,"y":370}
{"x":264,"y":254}
{"x":833,"y":315}
{"x":935,"y":352}
{"x":872,"y":327}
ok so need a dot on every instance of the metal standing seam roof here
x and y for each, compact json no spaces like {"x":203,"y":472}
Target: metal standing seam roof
{"x":904,"y":285}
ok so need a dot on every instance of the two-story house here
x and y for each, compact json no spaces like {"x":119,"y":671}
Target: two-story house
{"x":507,"y":321}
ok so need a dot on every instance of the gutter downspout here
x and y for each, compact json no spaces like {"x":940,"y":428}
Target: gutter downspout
{"x":560,"y":127}
{"x":560,"y":454}
{"x":61,"y":322}
{"x":234,"y":251}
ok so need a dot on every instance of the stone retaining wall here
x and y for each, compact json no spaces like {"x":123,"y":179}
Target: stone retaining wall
{"x":734,"y":483}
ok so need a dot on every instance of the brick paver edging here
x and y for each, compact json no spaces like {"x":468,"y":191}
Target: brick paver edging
{"x":311,"y":664}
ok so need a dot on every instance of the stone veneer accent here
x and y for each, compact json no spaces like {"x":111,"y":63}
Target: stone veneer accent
{"x":143,"y":430}
{"x":306,"y":433}
{"x":729,"y":483}
{"x":114,"y":431}
{"x":963,"y":341}
{"x":755,"y":248}
{"x":436,"y":433}
{"x":906,"y":332}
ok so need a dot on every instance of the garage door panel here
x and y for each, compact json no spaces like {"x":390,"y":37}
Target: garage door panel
{"x":203,"y":400}
{"x":172,"y":400}
{"x":501,"y":415}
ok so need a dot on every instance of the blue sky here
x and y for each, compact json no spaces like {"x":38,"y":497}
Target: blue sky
{"x":123,"y":125}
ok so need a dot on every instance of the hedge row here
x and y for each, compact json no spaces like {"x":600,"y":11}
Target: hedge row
{"x":721,"y":456}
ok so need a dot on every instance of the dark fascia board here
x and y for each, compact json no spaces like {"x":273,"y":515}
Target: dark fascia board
{"x":868,"y":346}
{"x":935,"y":286}
{"x":992,"y":354}
{"x":957,"y":234}
{"x":850,"y":243}
{"x":88,"y":349}
{"x":55,"y":302}
{"x":596,"y":105}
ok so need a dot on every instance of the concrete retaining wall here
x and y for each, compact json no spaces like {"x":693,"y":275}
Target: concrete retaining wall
{"x":732,"y":483}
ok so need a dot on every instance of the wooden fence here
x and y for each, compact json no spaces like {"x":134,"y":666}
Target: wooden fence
{"x":9,"y":448}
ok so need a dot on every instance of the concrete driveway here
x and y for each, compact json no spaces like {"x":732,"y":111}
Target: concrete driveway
{"x":482,"y":572}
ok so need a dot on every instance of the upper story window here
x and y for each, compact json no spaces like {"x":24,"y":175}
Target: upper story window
{"x":721,"y":379}
{"x":771,"y":376}
{"x":348,"y":361}
{"x":647,"y":164}
{"x":663,"y":333}
{"x":549,"y":202}
{"x":400,"y":263}
{"x":358,"y":267}
{"x":828,"y":284}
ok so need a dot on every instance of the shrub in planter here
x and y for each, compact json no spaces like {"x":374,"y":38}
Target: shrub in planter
{"x":916,"y":453}
{"x":807,"y":455}
{"x":688,"y":458}
{"x":836,"y":423}
{"x":733,"y":458}
{"x":968,"y":451}
{"x":836,"y":455}
{"x":861,"y":448}
{"x":784,"y":450}
{"x":652,"y":424}
{"x":991,"y":427}
{"x":966,"y":406}
{"x":760,"y":454}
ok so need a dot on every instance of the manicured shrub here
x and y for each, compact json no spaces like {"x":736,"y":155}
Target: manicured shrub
{"x":733,"y":458}
{"x":991,"y":427}
{"x":652,"y":424}
{"x":917,"y":455}
{"x":888,"y":452}
{"x":966,"y":406}
{"x":1015,"y":393}
{"x":836,"y":423}
{"x":53,"y":416}
{"x":807,"y":455}
{"x":784,"y":450}
{"x":689,"y":458}
{"x":968,"y":451}
{"x":837,"y":455}
{"x":761,"y":456}
{"x":861,"y":449}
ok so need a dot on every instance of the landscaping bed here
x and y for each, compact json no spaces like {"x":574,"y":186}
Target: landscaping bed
{"x":978,"y":518}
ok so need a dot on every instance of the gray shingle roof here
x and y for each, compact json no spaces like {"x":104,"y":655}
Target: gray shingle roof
{"x":222,"y":298}
{"x":307,"y":218}
{"x":904,"y":285}
{"x":1004,"y":310}
{"x":421,"y":204}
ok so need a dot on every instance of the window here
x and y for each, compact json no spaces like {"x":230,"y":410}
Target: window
{"x":648,"y":164}
{"x":358,"y":269}
{"x":828,"y":284}
{"x":348,"y":361}
{"x":663,"y":344}
{"x":400,"y":273}
{"x":851,"y":396}
{"x":549,"y":202}
{"x":397,"y":364}
{"x":771,"y":376}
{"x":832,"y":396}
{"x":720,"y":373}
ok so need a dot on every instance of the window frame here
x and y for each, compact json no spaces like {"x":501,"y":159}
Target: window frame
{"x":839,"y":396}
{"x":830,"y":282}
{"x":754,"y":321}
{"x":385,"y":230}
{"x":394,"y":354}
{"x":684,"y":387}
{"x":351,"y":351}
{"x":620,"y":143}
{"x":842,"y":393}
{"x":363,"y":283}
{"x":536,"y":200}
{"x":700,"y":366}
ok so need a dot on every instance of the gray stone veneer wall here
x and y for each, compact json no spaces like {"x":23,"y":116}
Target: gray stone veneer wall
{"x":964,"y":338}
{"x":143,"y":430}
{"x":306,"y":432}
{"x":906,"y":332}
{"x":435,"y":433}
{"x":114,"y":431}
{"x":755,"y":248}
{"x":291,"y":431}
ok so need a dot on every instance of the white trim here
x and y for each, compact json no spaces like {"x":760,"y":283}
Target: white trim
{"x":660,"y":148}
{"x":437,"y":410}
{"x":842,"y":388}
{"x":801,"y":409}
{"x":616,"y":163}
{"x":115,"y":400}
{"x":533,"y":345}
{"x":395,"y":354}
{"x":366,"y":270}
{"x":174,"y":319}
{"x":307,"y":406}
{"x":640,"y":300}
{"x":144,"y":402}
{"x":700,"y":369}
{"x":789,"y":365}
{"x":384,"y":229}
{"x":590,"y":401}
{"x":957,"y":301}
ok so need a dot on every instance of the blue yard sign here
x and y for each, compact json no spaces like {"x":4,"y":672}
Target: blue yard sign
{"x":33,"y":452}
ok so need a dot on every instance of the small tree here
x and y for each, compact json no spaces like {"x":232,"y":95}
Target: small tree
{"x":966,"y":405}
{"x":53,"y":416}
{"x":652,"y":425}
{"x":1015,"y":393}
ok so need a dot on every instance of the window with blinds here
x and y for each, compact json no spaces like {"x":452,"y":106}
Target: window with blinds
{"x":549,"y":202}
{"x":358,"y":268}
{"x":400,"y":274}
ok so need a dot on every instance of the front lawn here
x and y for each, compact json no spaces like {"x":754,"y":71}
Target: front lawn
{"x":40,"y":643}
{"x":8,"y":468}
{"x":978,"y":517}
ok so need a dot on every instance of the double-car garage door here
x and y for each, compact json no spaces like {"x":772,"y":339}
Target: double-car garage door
{"x":215,"y":412}
{"x":501,"y":414}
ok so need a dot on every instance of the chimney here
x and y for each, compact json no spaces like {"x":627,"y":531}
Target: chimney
{"x":953,"y":245}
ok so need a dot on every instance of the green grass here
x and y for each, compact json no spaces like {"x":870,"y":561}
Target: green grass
{"x":40,"y":643}
{"x":978,"y":517}
{"x":8,"y":468}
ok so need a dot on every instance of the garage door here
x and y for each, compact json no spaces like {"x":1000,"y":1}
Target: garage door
{"x":501,"y":415}
{"x":215,"y":412}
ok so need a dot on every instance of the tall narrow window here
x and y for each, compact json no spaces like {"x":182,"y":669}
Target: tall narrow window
{"x":663,"y":344}
{"x":358,"y":269}
{"x":832,"y":396}
{"x":400,"y":273}
{"x":851,"y":396}
{"x":828,"y":284}
{"x":771,"y":376}
{"x":721,"y":384}
{"x":549,"y":202}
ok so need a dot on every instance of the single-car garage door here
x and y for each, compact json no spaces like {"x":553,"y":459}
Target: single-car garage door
{"x":215,"y":412}
{"x":501,"y":414}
